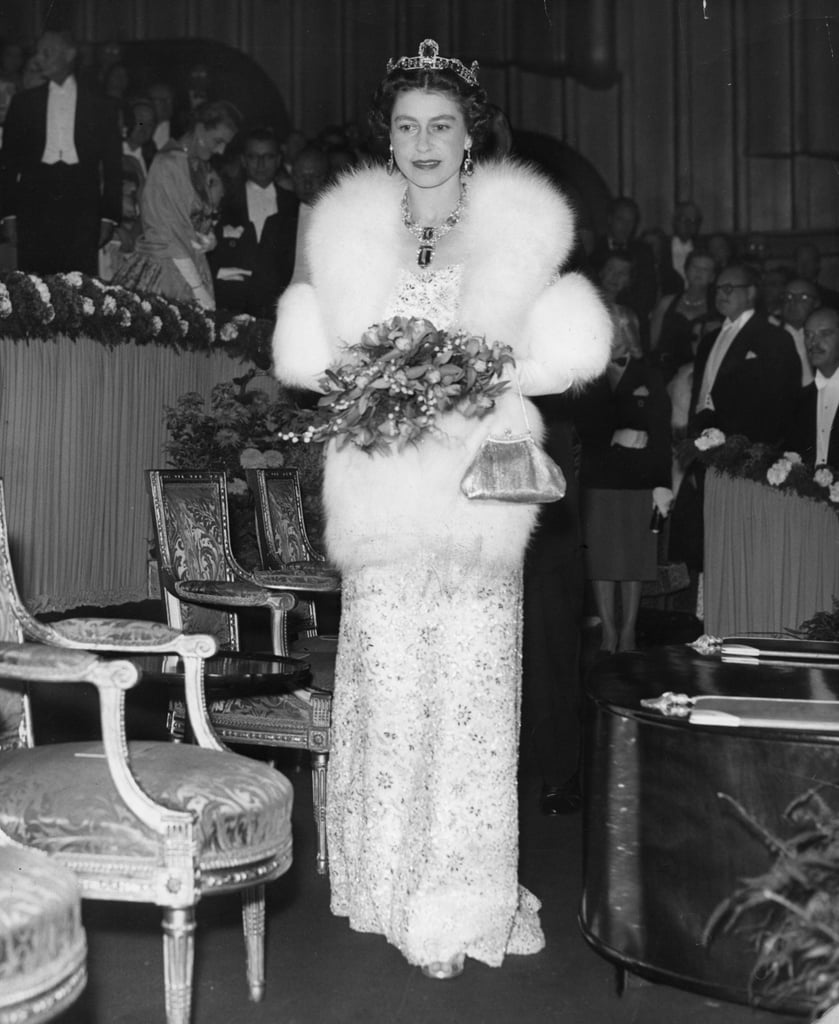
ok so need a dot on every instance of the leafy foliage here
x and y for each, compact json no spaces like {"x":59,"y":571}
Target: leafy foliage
{"x":791,"y":912}
{"x":241,"y":429}
{"x":822,"y":626}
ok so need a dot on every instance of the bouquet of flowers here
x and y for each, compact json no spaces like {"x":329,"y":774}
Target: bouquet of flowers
{"x":397,"y":380}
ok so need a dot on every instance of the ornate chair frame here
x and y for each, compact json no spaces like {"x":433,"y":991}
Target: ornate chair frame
{"x":183,"y":855}
{"x":204,"y":587}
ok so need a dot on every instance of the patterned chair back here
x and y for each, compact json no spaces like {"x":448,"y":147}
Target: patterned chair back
{"x":281,"y":532}
{"x":15,"y":720}
{"x":192,"y":529}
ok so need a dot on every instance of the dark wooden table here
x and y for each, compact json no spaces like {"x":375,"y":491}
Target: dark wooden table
{"x":662,"y":849}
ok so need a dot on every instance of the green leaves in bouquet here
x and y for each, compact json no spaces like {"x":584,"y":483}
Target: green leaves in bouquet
{"x":392,"y":386}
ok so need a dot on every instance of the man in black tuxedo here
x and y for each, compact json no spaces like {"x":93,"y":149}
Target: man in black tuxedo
{"x":815,"y":431}
{"x":746,"y":376}
{"x":687,"y":220}
{"x":746,"y":380}
{"x":60,"y":167}
{"x":256,"y":231}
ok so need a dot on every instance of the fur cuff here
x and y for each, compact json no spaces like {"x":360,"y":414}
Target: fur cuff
{"x":300,"y":344}
{"x":568,"y":330}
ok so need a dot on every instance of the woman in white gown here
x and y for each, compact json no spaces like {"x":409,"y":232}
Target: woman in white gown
{"x":422,"y":807}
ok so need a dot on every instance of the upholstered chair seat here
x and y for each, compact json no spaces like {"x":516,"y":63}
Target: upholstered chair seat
{"x":42,"y":941}
{"x":60,"y":799}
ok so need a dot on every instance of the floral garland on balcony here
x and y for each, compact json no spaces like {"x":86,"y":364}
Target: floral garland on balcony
{"x":742,"y":459}
{"x":73,"y":304}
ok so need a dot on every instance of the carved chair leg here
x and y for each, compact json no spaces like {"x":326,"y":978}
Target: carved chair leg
{"x":253,"y":919}
{"x":319,"y":766}
{"x":178,"y":957}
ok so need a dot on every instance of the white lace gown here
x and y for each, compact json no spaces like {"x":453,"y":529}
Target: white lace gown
{"x":422,"y":812}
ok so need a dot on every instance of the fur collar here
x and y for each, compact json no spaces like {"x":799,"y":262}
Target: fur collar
{"x":356,"y":228}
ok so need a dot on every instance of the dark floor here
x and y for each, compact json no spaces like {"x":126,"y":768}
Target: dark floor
{"x":319,"y":972}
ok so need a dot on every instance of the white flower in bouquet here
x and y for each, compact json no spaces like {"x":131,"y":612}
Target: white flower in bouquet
{"x":833,"y":494}
{"x":88,"y":307}
{"x":823,"y":477}
{"x":710,"y":438}
{"x":778,"y":472}
{"x":5,"y":302}
{"x":793,"y":458}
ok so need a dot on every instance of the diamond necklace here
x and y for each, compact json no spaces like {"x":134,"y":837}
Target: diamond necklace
{"x":428,"y":237}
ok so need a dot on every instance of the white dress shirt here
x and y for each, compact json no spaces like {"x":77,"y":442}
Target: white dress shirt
{"x":679,"y":252}
{"x":162,"y":133}
{"x":262,"y":204}
{"x":728,"y":332}
{"x":61,"y":123}
{"x":797,"y":334}
{"x":827,"y":403}
{"x":135,"y":154}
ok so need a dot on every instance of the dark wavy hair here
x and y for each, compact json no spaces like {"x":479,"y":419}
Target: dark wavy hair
{"x":216,"y":112}
{"x":472,"y":101}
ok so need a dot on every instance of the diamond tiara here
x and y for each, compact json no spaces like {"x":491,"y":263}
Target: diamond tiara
{"x":428,"y":59}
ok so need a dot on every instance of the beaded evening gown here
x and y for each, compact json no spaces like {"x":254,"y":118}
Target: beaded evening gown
{"x":422,"y":811}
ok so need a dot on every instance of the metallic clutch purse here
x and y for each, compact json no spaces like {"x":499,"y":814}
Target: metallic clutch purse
{"x":513,"y":468}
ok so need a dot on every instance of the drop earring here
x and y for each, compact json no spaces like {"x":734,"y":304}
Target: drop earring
{"x":391,"y":163}
{"x":468,"y":165}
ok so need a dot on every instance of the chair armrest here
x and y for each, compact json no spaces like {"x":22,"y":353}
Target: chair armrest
{"x":302,"y":577}
{"x":244,"y":593}
{"x":135,"y":636}
{"x":127,"y":636}
{"x":29,"y":662}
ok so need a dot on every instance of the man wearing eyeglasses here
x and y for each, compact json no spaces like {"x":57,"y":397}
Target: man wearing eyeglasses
{"x":815,"y":432}
{"x":747,"y":376}
{"x":746,"y":380}
{"x":800,"y":299}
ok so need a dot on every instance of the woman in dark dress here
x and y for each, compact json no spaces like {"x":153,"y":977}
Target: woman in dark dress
{"x":671,"y":327}
{"x":623,"y":420}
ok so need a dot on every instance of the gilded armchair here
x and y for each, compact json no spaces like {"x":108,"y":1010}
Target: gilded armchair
{"x":204,"y":588}
{"x":145,"y":822}
{"x":284,"y":545}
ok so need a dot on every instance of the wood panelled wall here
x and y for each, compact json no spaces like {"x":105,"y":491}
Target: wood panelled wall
{"x":728,"y":102}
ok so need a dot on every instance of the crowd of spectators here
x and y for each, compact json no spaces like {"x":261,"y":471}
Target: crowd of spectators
{"x":249,"y":197}
{"x":742,"y":340}
{"x":719,"y":323}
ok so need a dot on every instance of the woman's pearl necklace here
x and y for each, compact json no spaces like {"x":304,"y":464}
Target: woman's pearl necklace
{"x":428,"y":237}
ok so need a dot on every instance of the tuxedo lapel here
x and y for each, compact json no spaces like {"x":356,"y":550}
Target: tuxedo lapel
{"x":738,"y":349}
{"x":38,"y":119}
